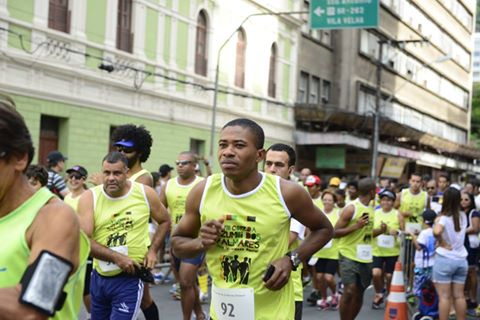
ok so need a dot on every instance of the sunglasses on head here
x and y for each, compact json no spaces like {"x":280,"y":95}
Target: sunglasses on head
{"x":183,"y":163}
{"x":125,"y":149}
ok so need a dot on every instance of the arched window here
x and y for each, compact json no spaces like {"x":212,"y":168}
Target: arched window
{"x":272,"y":71}
{"x":201,"y":45}
{"x":240,"y":59}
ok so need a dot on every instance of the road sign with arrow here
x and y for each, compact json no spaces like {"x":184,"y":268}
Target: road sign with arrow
{"x":343,"y":14}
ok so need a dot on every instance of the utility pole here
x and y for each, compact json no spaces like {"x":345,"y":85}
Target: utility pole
{"x":378,"y":98}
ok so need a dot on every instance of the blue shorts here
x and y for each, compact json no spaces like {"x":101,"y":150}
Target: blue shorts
{"x":117,"y":297}
{"x":448,"y":270}
{"x":196,"y":261}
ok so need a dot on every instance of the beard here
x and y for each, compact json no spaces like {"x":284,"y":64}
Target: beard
{"x":132,"y":160}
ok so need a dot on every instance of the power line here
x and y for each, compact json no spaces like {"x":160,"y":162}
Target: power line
{"x":106,"y":63}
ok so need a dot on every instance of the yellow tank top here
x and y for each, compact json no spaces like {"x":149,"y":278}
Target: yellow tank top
{"x":386,"y":245}
{"x":413,"y":203}
{"x":15,"y":253}
{"x":330,"y":250}
{"x":121,"y":224}
{"x":296,"y":276}
{"x":140,"y":173}
{"x":318,"y":202}
{"x":176,"y":195}
{"x":72,"y":202}
{"x":256,"y":231}
{"x":355,"y":245}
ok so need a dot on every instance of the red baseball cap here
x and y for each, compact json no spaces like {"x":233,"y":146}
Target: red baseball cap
{"x":312,"y":180}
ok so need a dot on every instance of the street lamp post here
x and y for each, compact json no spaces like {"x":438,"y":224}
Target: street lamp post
{"x":378,"y":98}
{"x":217,"y":68}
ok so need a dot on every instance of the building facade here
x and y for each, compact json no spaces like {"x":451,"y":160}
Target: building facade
{"x":78,"y":69}
{"x":425,"y":91}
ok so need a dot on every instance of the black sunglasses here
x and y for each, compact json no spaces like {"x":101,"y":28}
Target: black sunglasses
{"x":125,"y":149}
{"x":183,"y":163}
{"x":76,"y":176}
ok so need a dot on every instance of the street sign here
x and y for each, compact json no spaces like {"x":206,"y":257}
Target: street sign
{"x":343,"y":14}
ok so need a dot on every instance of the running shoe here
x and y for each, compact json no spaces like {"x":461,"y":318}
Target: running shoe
{"x":334,"y":301}
{"x":323,"y":304}
{"x":312,"y":299}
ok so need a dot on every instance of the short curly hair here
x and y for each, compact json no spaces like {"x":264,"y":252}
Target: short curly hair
{"x":141,"y":137}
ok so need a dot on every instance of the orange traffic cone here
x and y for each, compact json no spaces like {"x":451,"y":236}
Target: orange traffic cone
{"x":397,"y":303}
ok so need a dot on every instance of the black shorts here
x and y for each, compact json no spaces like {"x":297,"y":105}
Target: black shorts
{"x":326,"y":266}
{"x":387,"y":264}
{"x":88,"y":276}
{"x":472,"y":257}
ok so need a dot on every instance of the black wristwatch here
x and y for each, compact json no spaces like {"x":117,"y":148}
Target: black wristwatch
{"x":294,"y":260}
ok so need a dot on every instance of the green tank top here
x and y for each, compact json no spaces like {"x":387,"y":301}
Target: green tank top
{"x":318,"y":202}
{"x":413,"y":203}
{"x":15,"y":253}
{"x":330,"y":250}
{"x":72,"y":202}
{"x":357,"y":245}
{"x":386,"y":245}
{"x":139,"y":174}
{"x":176,"y":195}
{"x":256,"y":231}
{"x":121,"y":224}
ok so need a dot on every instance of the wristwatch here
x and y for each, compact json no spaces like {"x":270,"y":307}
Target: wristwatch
{"x":294,"y":260}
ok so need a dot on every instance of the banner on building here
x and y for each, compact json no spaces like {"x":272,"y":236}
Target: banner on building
{"x":393,"y":167}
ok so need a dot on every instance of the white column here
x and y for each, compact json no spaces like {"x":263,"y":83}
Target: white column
{"x":111,"y":24}
{"x":160,"y":37}
{"x":78,"y":16}
{"x":139,"y":17}
{"x":173,"y":44}
{"x":3,"y":24}
{"x":3,"y":8}
{"x":40,"y":13}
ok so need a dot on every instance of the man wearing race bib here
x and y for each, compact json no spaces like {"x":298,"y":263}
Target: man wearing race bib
{"x":354,"y":228}
{"x":173,"y":197}
{"x":386,"y":246}
{"x":280,"y":160}
{"x":327,"y":258}
{"x":241,"y":219}
{"x":115,"y":216}
{"x":411,"y":202}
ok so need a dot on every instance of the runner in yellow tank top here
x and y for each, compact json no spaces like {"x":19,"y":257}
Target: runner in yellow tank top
{"x":173,"y":196}
{"x":241,"y":220}
{"x":31,"y":222}
{"x":354,"y":228}
{"x":280,"y":160}
{"x":411,"y":203}
{"x":326,"y":264}
{"x":115,"y":216}
{"x":386,"y":245}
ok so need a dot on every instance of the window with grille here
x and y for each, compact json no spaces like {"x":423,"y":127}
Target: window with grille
{"x":272,"y":71}
{"x":240,"y":59}
{"x":201,"y":45}
{"x":124,"y":26}
{"x":59,"y":15}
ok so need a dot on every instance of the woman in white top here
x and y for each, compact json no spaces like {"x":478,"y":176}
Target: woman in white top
{"x":450,"y":268}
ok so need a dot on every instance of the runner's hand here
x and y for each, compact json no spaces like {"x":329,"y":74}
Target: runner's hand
{"x":383,"y":227}
{"x":150,"y":259}
{"x":279,"y":278}
{"x":362,"y":222}
{"x":125,"y":263}
{"x":210,"y":232}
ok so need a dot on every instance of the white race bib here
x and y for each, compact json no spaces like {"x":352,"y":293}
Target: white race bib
{"x":412,"y":227}
{"x":107,"y":266}
{"x":364,"y":251}
{"x":328,"y":244}
{"x":232,"y":304}
{"x":312,"y":261}
{"x":385,"y":241}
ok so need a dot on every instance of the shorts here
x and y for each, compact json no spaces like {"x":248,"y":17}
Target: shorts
{"x":197,"y":261}
{"x":88,"y":276}
{"x":472,"y":257}
{"x":448,"y":270}
{"x":387,"y":264}
{"x":298,"y":310}
{"x":116,"y":297}
{"x":326,"y":266}
{"x":355,"y":272}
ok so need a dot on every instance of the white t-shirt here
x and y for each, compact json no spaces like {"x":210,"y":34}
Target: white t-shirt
{"x":454,"y":239}
{"x":425,"y":257}
{"x":298,"y":228}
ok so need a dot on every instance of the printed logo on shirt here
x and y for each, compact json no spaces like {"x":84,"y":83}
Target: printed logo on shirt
{"x":235,"y":269}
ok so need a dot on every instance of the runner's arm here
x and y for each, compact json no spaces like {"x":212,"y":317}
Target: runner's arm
{"x":55,"y":229}
{"x":346,"y":216}
{"x":474,"y":227}
{"x":186,"y":239}
{"x":163,"y":195}
{"x":145,"y":179}
{"x":160,"y":215}
{"x":292,"y":236}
